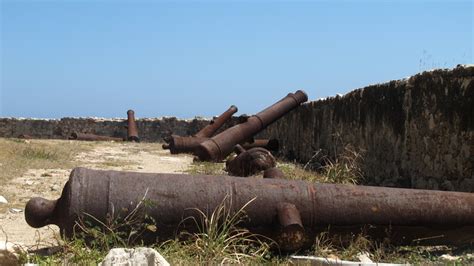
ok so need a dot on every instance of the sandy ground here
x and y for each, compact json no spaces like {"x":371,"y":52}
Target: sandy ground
{"x":48,"y":183}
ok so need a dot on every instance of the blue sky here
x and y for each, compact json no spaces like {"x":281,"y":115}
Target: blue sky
{"x":188,"y":58}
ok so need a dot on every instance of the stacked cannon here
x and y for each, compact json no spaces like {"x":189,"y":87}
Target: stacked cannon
{"x":253,"y":154}
{"x":177,"y":144}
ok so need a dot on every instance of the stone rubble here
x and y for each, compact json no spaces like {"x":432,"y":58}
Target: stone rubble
{"x":3,"y":200}
{"x":141,"y":256}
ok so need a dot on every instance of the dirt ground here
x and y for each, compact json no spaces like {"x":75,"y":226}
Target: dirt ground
{"x":48,"y":183}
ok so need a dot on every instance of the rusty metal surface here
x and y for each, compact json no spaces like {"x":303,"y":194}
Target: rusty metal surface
{"x":24,"y":136}
{"x":250,"y":162}
{"x":273,"y":172}
{"x":132,"y":131}
{"x":221,"y":145}
{"x":92,"y":137}
{"x":101,"y":193}
{"x":177,"y":144}
{"x":292,"y":235}
{"x":268,"y":144}
{"x":209,"y":130}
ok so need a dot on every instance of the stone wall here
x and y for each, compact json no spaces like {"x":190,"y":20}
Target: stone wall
{"x":417,"y":132}
{"x":148,"y":129}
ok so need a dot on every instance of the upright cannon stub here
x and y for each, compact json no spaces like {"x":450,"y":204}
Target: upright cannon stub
{"x":307,"y":206}
{"x":132,"y":131}
{"x":221,"y":145}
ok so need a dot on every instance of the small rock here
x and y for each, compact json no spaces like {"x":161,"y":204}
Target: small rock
{"x":3,"y":200}
{"x":140,"y":167}
{"x":133,"y":256}
{"x":449,"y":257}
{"x":15,"y":210}
{"x":29,"y":182}
{"x":364,"y":257}
{"x":9,"y":253}
{"x":54,"y":187}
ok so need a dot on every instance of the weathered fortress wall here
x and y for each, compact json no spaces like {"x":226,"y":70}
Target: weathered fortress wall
{"x":417,"y":132}
{"x":148,"y":129}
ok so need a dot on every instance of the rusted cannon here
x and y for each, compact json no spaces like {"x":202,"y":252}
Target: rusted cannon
{"x":209,"y":130}
{"x":273,"y":172}
{"x":249,"y":162}
{"x":24,"y":136}
{"x":221,"y":145}
{"x":132,"y":131}
{"x":268,"y":144}
{"x":277,"y":205}
{"x":177,"y":144}
{"x":92,"y":137}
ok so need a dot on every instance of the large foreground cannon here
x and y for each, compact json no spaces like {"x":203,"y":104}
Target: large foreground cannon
{"x":221,"y":145}
{"x":177,"y":144}
{"x":291,"y":207}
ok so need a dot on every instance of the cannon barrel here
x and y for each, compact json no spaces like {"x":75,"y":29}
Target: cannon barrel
{"x":209,"y":130}
{"x":268,"y":144}
{"x":92,"y":137}
{"x":177,"y":144}
{"x":132,"y":131}
{"x":221,"y":145}
{"x":177,"y":196}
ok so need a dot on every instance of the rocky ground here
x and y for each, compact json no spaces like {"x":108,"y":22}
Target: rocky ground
{"x":48,"y":183}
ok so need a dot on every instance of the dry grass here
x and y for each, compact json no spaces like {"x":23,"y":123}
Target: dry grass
{"x":334,"y":246}
{"x":206,"y":168}
{"x":219,"y":240}
{"x":344,"y":169}
{"x":17,"y":156}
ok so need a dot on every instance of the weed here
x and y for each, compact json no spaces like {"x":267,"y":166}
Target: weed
{"x":296,"y":172}
{"x":93,"y":238}
{"x":31,"y":153}
{"x":219,"y":239}
{"x":323,"y":246}
{"x":117,"y":231}
{"x":206,"y":168}
{"x":17,"y":156}
{"x":345,"y":169}
{"x":116,"y":163}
